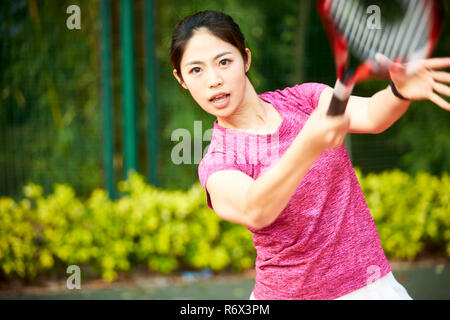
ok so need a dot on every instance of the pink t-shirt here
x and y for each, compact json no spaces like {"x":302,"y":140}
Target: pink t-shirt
{"x":324,"y":244}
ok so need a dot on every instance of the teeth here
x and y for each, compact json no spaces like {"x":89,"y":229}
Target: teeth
{"x":219,"y":98}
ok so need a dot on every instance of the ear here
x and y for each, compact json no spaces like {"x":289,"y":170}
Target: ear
{"x":249,"y":59}
{"x":179,"y":79}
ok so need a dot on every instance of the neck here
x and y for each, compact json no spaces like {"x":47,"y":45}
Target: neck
{"x":251,"y":115}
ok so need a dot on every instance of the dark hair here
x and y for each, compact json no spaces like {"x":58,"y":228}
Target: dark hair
{"x":218,"y":23}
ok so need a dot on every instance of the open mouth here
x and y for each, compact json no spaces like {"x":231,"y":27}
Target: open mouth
{"x":221,"y":100}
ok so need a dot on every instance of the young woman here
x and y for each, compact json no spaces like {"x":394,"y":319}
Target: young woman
{"x":312,"y":230}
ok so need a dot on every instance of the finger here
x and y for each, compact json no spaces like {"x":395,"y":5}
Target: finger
{"x":439,"y":101}
{"x":441,"y":76}
{"x":397,"y":67}
{"x":437,"y":63}
{"x":383,"y":62}
{"x":441,"y":88}
{"x":381,"y":58}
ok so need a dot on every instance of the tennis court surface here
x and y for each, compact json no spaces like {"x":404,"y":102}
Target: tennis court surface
{"x":428,"y":281}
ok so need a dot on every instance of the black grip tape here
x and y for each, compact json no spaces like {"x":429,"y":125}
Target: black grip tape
{"x":337,"y":106}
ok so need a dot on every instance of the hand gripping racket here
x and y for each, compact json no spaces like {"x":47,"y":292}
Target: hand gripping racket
{"x":401,"y":30}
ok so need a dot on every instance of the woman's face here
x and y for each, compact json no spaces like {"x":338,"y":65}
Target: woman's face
{"x":214,"y":73}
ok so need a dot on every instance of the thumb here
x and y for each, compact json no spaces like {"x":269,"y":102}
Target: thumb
{"x":396,"y":68}
{"x":383,"y":63}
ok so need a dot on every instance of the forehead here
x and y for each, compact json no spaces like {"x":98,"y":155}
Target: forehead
{"x":203,"y":46}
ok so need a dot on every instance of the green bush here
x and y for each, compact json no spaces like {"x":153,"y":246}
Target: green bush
{"x":165,"y":230}
{"x":175,"y":230}
{"x":411,"y":212}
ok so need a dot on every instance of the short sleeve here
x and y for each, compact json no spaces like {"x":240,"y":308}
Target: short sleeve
{"x":211,"y":163}
{"x":308,"y":94}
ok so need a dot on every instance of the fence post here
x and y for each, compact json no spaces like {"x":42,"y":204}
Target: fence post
{"x":105,"y":11}
{"x":128,"y":83}
{"x":151,"y":97}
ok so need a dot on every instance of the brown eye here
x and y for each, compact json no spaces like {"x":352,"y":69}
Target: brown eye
{"x":224,"y":62}
{"x":195,"y":70}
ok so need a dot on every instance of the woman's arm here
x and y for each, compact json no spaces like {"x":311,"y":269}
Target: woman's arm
{"x":420,"y":81}
{"x":271,"y":192}
{"x":371,"y":115}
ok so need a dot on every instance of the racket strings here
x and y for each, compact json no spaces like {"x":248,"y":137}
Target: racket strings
{"x":421,"y":36}
{"x":410,"y":31}
{"x":407,"y":39}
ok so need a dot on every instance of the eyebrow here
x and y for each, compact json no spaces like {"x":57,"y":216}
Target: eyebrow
{"x":216,"y":57}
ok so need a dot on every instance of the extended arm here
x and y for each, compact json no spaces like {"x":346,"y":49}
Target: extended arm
{"x":420,"y":81}
{"x":371,"y":115}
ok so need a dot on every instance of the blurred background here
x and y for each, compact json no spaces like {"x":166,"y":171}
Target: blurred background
{"x":80,"y":109}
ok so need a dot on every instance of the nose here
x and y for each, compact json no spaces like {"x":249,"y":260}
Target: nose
{"x":214,"y":79}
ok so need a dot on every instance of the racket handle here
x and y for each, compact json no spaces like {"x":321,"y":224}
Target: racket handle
{"x":341,"y":95}
{"x":337,"y":106}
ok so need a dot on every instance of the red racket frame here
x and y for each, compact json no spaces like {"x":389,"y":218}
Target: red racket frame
{"x":340,"y":47}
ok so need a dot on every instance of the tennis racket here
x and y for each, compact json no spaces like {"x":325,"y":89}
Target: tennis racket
{"x":401,"y":30}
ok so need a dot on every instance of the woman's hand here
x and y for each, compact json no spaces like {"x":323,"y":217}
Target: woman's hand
{"x":421,"y":79}
{"x":326,"y":132}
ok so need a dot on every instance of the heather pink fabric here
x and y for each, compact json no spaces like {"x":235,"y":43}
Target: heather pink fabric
{"x":324,"y":244}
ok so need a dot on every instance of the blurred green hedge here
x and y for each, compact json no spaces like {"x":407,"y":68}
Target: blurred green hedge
{"x":175,"y":230}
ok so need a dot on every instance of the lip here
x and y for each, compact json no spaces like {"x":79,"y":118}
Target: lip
{"x":218,"y":94}
{"x":223,"y":103}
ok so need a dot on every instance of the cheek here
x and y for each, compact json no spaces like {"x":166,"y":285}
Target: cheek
{"x":198,"y":97}
{"x":194,"y":89}
{"x":197,"y":92}
{"x":238,"y":81}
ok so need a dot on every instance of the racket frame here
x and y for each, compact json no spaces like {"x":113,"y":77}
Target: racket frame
{"x":346,"y":80}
